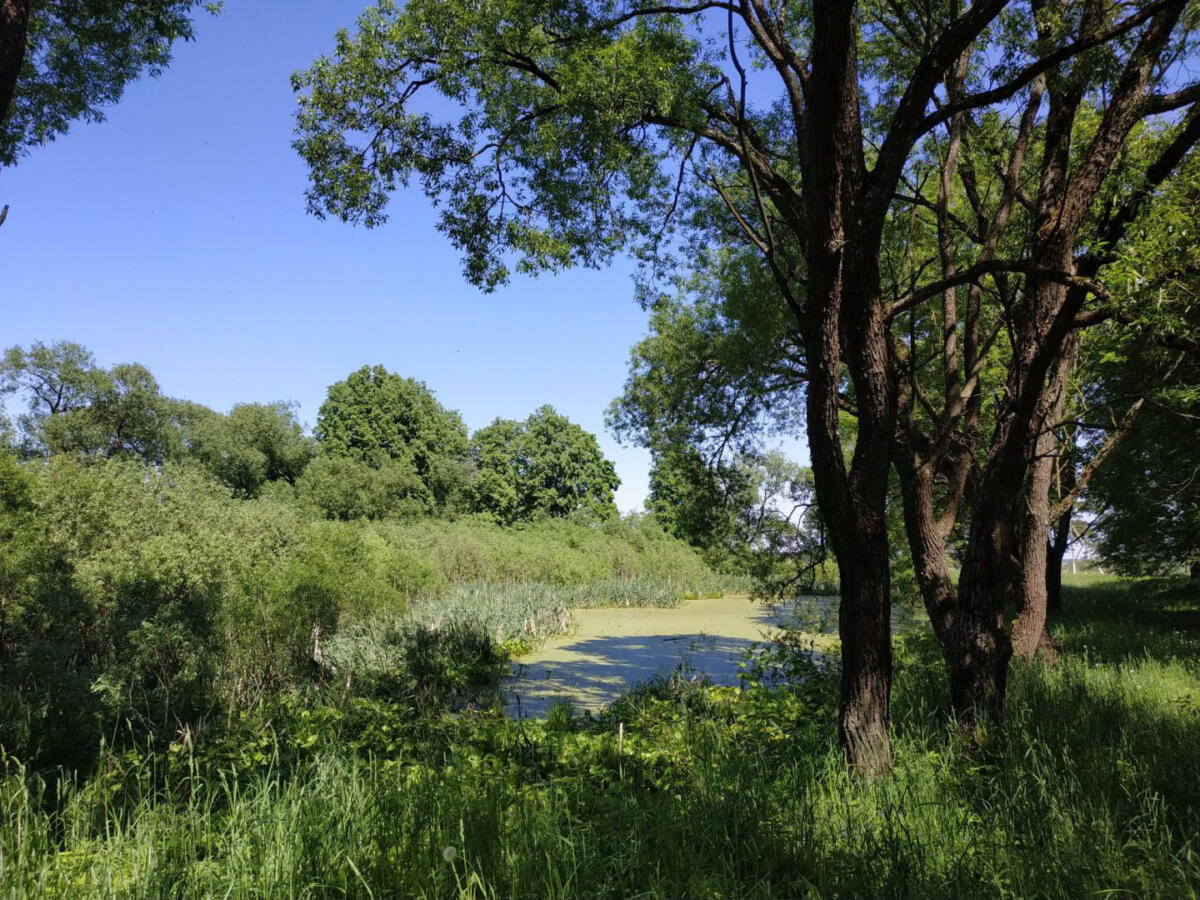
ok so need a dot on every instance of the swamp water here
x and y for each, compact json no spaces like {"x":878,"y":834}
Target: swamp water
{"x":613,"y":649}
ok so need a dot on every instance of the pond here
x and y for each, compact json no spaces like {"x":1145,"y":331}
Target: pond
{"x":611,"y":650}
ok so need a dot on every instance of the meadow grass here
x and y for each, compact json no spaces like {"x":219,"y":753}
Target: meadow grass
{"x":1091,"y":787}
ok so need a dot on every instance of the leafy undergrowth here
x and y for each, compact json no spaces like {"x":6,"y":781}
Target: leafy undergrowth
{"x":1091,"y":787}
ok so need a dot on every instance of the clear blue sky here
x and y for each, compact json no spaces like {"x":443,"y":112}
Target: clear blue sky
{"x":174,"y":235}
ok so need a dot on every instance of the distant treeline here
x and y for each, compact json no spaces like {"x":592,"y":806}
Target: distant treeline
{"x":383,"y":446}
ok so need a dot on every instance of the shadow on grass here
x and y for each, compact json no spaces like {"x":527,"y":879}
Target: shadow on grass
{"x":1113,"y":621}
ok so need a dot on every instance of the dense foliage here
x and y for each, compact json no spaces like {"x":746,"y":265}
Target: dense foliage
{"x":141,"y":601}
{"x":544,"y":466}
{"x":377,"y":417}
{"x":1143,"y":503}
{"x":254,"y":444}
{"x":935,"y":201}
{"x":65,"y":61}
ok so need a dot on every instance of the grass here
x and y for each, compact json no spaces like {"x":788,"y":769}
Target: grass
{"x":1090,"y":788}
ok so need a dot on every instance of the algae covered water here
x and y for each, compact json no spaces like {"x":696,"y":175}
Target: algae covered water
{"x":611,"y":650}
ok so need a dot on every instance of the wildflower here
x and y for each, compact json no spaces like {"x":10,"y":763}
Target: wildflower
{"x":449,"y":853}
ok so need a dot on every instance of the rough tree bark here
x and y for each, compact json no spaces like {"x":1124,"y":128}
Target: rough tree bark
{"x":843,"y":271}
{"x":1029,"y":635}
{"x":1040,"y":323}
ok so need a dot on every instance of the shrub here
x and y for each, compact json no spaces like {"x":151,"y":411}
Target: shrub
{"x":347,"y":489}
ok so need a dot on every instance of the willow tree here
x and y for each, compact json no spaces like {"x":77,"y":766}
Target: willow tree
{"x":561,"y":133}
{"x":61,"y":61}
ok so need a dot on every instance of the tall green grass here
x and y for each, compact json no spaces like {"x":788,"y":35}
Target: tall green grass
{"x":1090,"y":788}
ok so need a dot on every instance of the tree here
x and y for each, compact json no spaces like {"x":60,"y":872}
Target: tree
{"x":62,"y":60}
{"x":126,"y":414}
{"x":546,"y":466}
{"x":75,"y":406}
{"x":254,"y":444}
{"x":53,"y":379}
{"x":570,"y":116}
{"x":698,"y":501}
{"x":1146,"y":497}
{"x":375,"y":416}
{"x":720,"y":372}
{"x":1144,"y":501}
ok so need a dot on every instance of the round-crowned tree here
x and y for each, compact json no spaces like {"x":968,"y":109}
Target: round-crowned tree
{"x":546,"y":466}
{"x":377,"y":417}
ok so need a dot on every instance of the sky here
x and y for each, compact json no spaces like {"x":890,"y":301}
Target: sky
{"x":174,"y":234}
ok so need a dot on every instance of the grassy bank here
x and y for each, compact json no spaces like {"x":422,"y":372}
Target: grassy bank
{"x":1092,"y":787}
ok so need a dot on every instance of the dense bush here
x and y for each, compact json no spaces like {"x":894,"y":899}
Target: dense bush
{"x":347,"y":489}
{"x":562,"y":551}
{"x":145,"y":597}
{"x":146,"y":600}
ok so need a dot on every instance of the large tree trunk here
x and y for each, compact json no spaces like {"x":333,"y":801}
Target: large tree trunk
{"x":1029,"y":627}
{"x":1029,"y":633}
{"x":980,"y":647}
{"x":844,"y":321}
{"x":864,"y":626}
{"x":14,"y":27}
{"x":854,"y":505}
{"x":995,"y":564}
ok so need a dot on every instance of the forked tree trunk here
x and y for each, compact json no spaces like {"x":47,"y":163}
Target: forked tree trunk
{"x":854,"y":505}
{"x":1041,"y":324}
{"x":844,"y":322}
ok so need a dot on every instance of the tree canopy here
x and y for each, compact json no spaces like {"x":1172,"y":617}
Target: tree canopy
{"x":578,"y":129}
{"x":254,"y":444}
{"x":375,"y":416}
{"x":61,"y":61}
{"x":545,"y":466}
